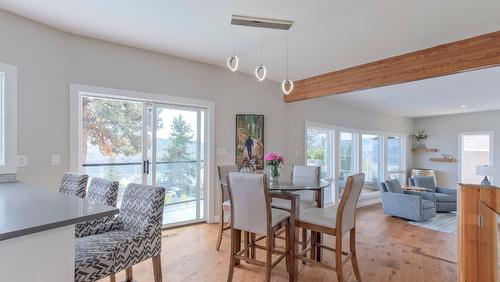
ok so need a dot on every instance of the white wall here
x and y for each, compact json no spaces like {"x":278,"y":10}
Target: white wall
{"x":49,"y":60}
{"x":443,"y":135}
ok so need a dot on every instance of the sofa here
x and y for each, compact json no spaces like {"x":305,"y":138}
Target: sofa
{"x":446,"y":198}
{"x":416,"y":206}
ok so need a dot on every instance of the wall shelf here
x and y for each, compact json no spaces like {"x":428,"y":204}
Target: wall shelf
{"x":441,"y":160}
{"x":430,"y":150}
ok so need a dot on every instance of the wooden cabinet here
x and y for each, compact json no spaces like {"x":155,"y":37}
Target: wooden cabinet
{"x":488,"y":243}
{"x":478,"y":233}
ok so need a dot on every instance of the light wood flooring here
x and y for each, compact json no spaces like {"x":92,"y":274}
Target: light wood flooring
{"x":388,"y":249}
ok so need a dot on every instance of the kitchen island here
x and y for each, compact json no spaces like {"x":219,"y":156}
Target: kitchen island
{"x":37,"y":232}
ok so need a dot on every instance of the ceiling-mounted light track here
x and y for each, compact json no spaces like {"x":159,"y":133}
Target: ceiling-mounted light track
{"x":261,"y":22}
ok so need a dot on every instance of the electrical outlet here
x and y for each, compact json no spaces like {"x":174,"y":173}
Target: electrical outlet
{"x":22,"y":160}
{"x":55,"y":160}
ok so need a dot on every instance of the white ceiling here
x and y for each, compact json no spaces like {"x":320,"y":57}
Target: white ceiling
{"x":476,"y":90}
{"x":327,"y":35}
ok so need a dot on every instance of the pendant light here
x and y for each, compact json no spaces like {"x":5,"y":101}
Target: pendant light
{"x":287,"y":84}
{"x":232,"y":62}
{"x":260,"y":71}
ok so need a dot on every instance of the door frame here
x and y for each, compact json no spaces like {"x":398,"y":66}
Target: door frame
{"x":491,"y":133}
{"x":76,"y":91}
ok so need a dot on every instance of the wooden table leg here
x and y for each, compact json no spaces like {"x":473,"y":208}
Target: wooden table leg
{"x":294,"y":239}
{"x":318,"y":239}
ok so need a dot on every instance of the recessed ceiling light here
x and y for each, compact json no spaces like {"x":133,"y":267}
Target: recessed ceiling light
{"x":464,"y":106}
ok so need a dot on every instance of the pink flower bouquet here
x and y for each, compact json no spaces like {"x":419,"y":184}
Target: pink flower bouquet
{"x":274,"y":159}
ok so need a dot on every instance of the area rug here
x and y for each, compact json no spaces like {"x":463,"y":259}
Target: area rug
{"x":444,"y":222}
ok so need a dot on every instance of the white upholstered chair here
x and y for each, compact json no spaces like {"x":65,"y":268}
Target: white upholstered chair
{"x":223,"y":170}
{"x":251,"y":212}
{"x":307,"y":198}
{"x":336,"y":222}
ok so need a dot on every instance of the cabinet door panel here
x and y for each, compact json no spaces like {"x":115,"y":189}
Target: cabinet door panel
{"x":488,"y":244}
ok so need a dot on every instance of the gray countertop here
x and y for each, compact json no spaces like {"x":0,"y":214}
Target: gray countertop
{"x":25,"y":209}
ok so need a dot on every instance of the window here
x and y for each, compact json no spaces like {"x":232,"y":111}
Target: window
{"x":8,"y":118}
{"x":319,"y":152}
{"x":342,"y":152}
{"x":347,"y":154}
{"x":370,"y":162}
{"x":318,"y":149}
{"x":475,"y":149}
{"x":395,"y":158}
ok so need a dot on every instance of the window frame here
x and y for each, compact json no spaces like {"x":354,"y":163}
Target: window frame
{"x":8,"y":119}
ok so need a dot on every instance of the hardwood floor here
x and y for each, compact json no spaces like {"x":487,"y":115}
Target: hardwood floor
{"x":388,"y":249}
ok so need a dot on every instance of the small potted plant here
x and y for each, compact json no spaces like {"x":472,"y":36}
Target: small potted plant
{"x":273,"y":162}
{"x":420,"y":136}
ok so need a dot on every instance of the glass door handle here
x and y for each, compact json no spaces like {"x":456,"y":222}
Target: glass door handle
{"x":145,"y":166}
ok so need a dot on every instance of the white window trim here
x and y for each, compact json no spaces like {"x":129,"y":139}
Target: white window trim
{"x":491,"y":152}
{"x":78,"y":90}
{"x":8,"y":119}
{"x":357,"y":133}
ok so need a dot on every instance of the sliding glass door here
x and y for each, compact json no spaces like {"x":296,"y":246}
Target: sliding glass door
{"x":150,"y":143}
{"x":178,"y":162}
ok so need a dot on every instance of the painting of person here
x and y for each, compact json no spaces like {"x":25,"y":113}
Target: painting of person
{"x":250,"y":140}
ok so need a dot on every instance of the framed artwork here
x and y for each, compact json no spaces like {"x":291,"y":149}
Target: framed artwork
{"x":250,"y":140}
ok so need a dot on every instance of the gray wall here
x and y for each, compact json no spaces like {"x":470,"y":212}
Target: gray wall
{"x":443,"y":135}
{"x":49,"y":60}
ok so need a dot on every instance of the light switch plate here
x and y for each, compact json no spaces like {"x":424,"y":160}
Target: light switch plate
{"x":55,"y":160}
{"x":221,"y":151}
{"x":22,"y":160}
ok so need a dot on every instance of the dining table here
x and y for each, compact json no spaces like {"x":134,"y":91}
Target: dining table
{"x":304,"y":184}
{"x":288,"y":187}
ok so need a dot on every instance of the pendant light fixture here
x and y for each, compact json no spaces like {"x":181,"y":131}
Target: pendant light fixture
{"x":233,"y":61}
{"x":287,"y":84}
{"x":261,"y":71}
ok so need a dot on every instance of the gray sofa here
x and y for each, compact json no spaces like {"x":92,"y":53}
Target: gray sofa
{"x":416,"y":206}
{"x":446,"y":198}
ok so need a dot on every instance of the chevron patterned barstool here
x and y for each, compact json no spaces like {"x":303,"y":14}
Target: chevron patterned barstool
{"x":132,"y":237}
{"x":102,"y":191}
{"x":74,"y":184}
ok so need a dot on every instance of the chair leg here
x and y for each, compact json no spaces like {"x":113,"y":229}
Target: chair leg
{"x":221,"y":227}
{"x":338,"y":257}
{"x":129,"y":277}
{"x":157,"y":268}
{"x":112,"y":278}
{"x":246,"y":242}
{"x":304,"y":241}
{"x":313,"y":248}
{"x":252,"y":242}
{"x":269,"y":255}
{"x":354,"y":261}
{"x":287,"y":248}
{"x":232,"y":261}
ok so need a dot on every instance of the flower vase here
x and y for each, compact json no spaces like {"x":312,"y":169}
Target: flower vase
{"x":273,"y":172}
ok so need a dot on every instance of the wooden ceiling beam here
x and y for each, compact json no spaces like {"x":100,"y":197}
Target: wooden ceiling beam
{"x":465,"y":55}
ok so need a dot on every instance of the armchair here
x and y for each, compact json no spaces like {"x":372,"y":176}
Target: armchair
{"x":446,"y":198}
{"x":132,"y":237}
{"x":416,"y":206}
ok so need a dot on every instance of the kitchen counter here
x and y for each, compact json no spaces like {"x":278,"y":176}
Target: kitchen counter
{"x":37,"y":232}
{"x":25,"y":209}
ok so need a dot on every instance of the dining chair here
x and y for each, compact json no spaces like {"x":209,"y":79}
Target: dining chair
{"x":74,"y":184}
{"x":130,"y":238}
{"x":103,"y":191}
{"x":307,"y":198}
{"x":251,"y":212}
{"x":336,"y":222}
{"x":225,"y":203}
